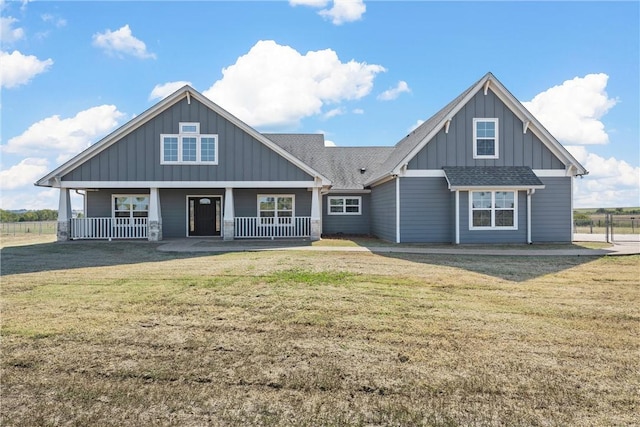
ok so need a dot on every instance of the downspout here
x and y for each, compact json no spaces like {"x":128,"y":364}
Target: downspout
{"x":397,"y":209}
{"x":84,"y":202}
{"x":457,"y":217}
{"x":530,"y":192}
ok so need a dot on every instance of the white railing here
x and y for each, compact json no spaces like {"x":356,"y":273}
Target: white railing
{"x":108,"y":228}
{"x":251,"y":227}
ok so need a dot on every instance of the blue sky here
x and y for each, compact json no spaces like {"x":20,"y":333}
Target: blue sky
{"x":362,"y":73}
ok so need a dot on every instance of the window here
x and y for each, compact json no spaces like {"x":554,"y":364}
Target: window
{"x":131,"y":206}
{"x":344,"y":205}
{"x":189,"y":146}
{"x":493,"y":209}
{"x":275,"y":209}
{"x":485,"y":138}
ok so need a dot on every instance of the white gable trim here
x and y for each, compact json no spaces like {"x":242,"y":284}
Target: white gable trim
{"x":516,"y":107}
{"x":185,"y":92}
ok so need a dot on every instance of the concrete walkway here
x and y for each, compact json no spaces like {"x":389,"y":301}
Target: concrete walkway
{"x":220,"y":246}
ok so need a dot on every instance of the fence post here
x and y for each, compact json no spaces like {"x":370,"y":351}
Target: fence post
{"x":611,"y":220}
{"x":591,"y":226}
{"x":606,"y":227}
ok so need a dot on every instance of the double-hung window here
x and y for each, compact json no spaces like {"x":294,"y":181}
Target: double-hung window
{"x":276,"y":209}
{"x":344,"y":205}
{"x":485,"y":138}
{"x":189,"y":146}
{"x":493,"y":210}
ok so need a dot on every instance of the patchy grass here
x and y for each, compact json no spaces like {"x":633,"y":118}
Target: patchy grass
{"x":121,"y":334}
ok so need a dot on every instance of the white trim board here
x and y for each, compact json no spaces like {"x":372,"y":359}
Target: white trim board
{"x":186,"y":184}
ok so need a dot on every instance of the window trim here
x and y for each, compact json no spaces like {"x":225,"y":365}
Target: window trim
{"x":496,"y":139}
{"x":113,"y":205}
{"x":493,"y":210}
{"x":180,"y":136}
{"x":344,"y":205}
{"x":276,"y":223}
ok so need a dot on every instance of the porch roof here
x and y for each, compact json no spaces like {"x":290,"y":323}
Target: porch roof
{"x":462,"y":177}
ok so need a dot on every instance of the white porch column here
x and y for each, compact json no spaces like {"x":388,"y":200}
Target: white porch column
{"x":315,"y":214}
{"x":155,"y":216}
{"x":229,"y":215}
{"x":64,"y":216}
{"x":457,"y":217}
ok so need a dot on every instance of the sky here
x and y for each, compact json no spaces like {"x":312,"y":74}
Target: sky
{"x":362,"y":73}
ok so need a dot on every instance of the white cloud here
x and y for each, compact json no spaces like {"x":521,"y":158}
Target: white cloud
{"x":341,"y":12}
{"x":68,"y":136}
{"x":572,"y":110}
{"x":610,"y":183}
{"x":328,"y":143}
{"x":393,"y":93}
{"x":333,"y":113}
{"x":166,"y":89}
{"x":122,"y":42}
{"x":55,"y":20}
{"x":344,"y":11}
{"x":358,"y":111}
{"x":18,"y":69}
{"x":274,"y":85}
{"x":23,"y":174}
{"x":8,"y":34}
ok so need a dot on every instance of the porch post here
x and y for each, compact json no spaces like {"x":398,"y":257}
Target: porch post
{"x":64,"y":216}
{"x":457,"y":217}
{"x":229,"y":215}
{"x":529,"y":193}
{"x":315,"y":214}
{"x":155,"y":217}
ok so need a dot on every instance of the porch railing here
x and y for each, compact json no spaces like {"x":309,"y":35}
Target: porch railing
{"x":108,"y":228}
{"x":251,"y":227}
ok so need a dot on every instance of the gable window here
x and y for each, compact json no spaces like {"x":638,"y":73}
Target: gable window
{"x":189,"y":146}
{"x":493,"y":210}
{"x":344,"y":205}
{"x":130,"y":205}
{"x":276,"y":209}
{"x":485,"y":138}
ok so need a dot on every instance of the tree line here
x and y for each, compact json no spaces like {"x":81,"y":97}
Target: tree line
{"x":40,"y":215}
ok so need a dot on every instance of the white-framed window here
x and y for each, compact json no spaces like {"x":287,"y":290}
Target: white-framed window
{"x":485,"y":139}
{"x":276,"y":209}
{"x":493,"y":210}
{"x":189,"y":146}
{"x":130,"y":205}
{"x":338,"y":205}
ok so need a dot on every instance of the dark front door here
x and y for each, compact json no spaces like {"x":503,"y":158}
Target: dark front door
{"x":204,"y":216}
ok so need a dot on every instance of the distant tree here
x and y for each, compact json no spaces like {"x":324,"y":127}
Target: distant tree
{"x":601,"y":210}
{"x":6,"y":216}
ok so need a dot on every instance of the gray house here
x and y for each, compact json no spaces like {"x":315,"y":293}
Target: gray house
{"x":481,"y":170}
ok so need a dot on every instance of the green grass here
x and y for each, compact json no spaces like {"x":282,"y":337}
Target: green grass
{"x":120,"y":334}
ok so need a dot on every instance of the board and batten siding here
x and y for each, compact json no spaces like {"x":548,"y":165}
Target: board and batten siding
{"x":551,"y":211}
{"x":347,"y":224}
{"x":456,"y":147}
{"x":246,"y":200}
{"x":99,"y":203}
{"x":383,"y":211}
{"x":427,"y":211}
{"x":136,"y":157}
{"x":173,"y":208}
{"x":494,"y":235}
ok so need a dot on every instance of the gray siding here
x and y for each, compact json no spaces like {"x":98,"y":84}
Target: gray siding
{"x":136,"y":157}
{"x":493,"y":236}
{"x":347,"y":224}
{"x":456,"y":147}
{"x":173,"y":207}
{"x":99,"y":202}
{"x":551,"y":211}
{"x":383,"y":211}
{"x":246,"y":200}
{"x":427,"y":211}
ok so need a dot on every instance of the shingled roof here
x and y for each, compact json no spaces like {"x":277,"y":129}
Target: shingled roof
{"x":461,"y":177}
{"x":348,"y":168}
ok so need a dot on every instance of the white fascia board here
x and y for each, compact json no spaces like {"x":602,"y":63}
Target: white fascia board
{"x":257,"y":135}
{"x":339,"y":191}
{"x":381,"y":180}
{"x":186,"y":184}
{"x":423,"y":173}
{"x":550,"y":173}
{"x":113,"y":137}
{"x":496,"y":187}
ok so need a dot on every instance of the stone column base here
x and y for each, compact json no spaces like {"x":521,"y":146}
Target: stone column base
{"x":63,"y":233}
{"x":229,"y":230}
{"x":154,"y":233}
{"x":315,"y":229}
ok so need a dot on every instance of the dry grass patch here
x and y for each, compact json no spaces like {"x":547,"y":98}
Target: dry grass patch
{"x":120,"y":334}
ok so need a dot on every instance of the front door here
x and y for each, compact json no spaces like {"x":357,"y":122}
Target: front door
{"x":204,"y":215}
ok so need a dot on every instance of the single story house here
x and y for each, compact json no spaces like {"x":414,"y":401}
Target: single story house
{"x":481,"y":170}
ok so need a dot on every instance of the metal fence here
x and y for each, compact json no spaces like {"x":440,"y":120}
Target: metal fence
{"x":611,"y":226}
{"x":28,"y":227}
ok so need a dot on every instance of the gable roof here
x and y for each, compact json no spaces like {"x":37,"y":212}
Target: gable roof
{"x":348,"y":168}
{"x":463,"y":177}
{"x":51,"y":179}
{"x":410,"y":145}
